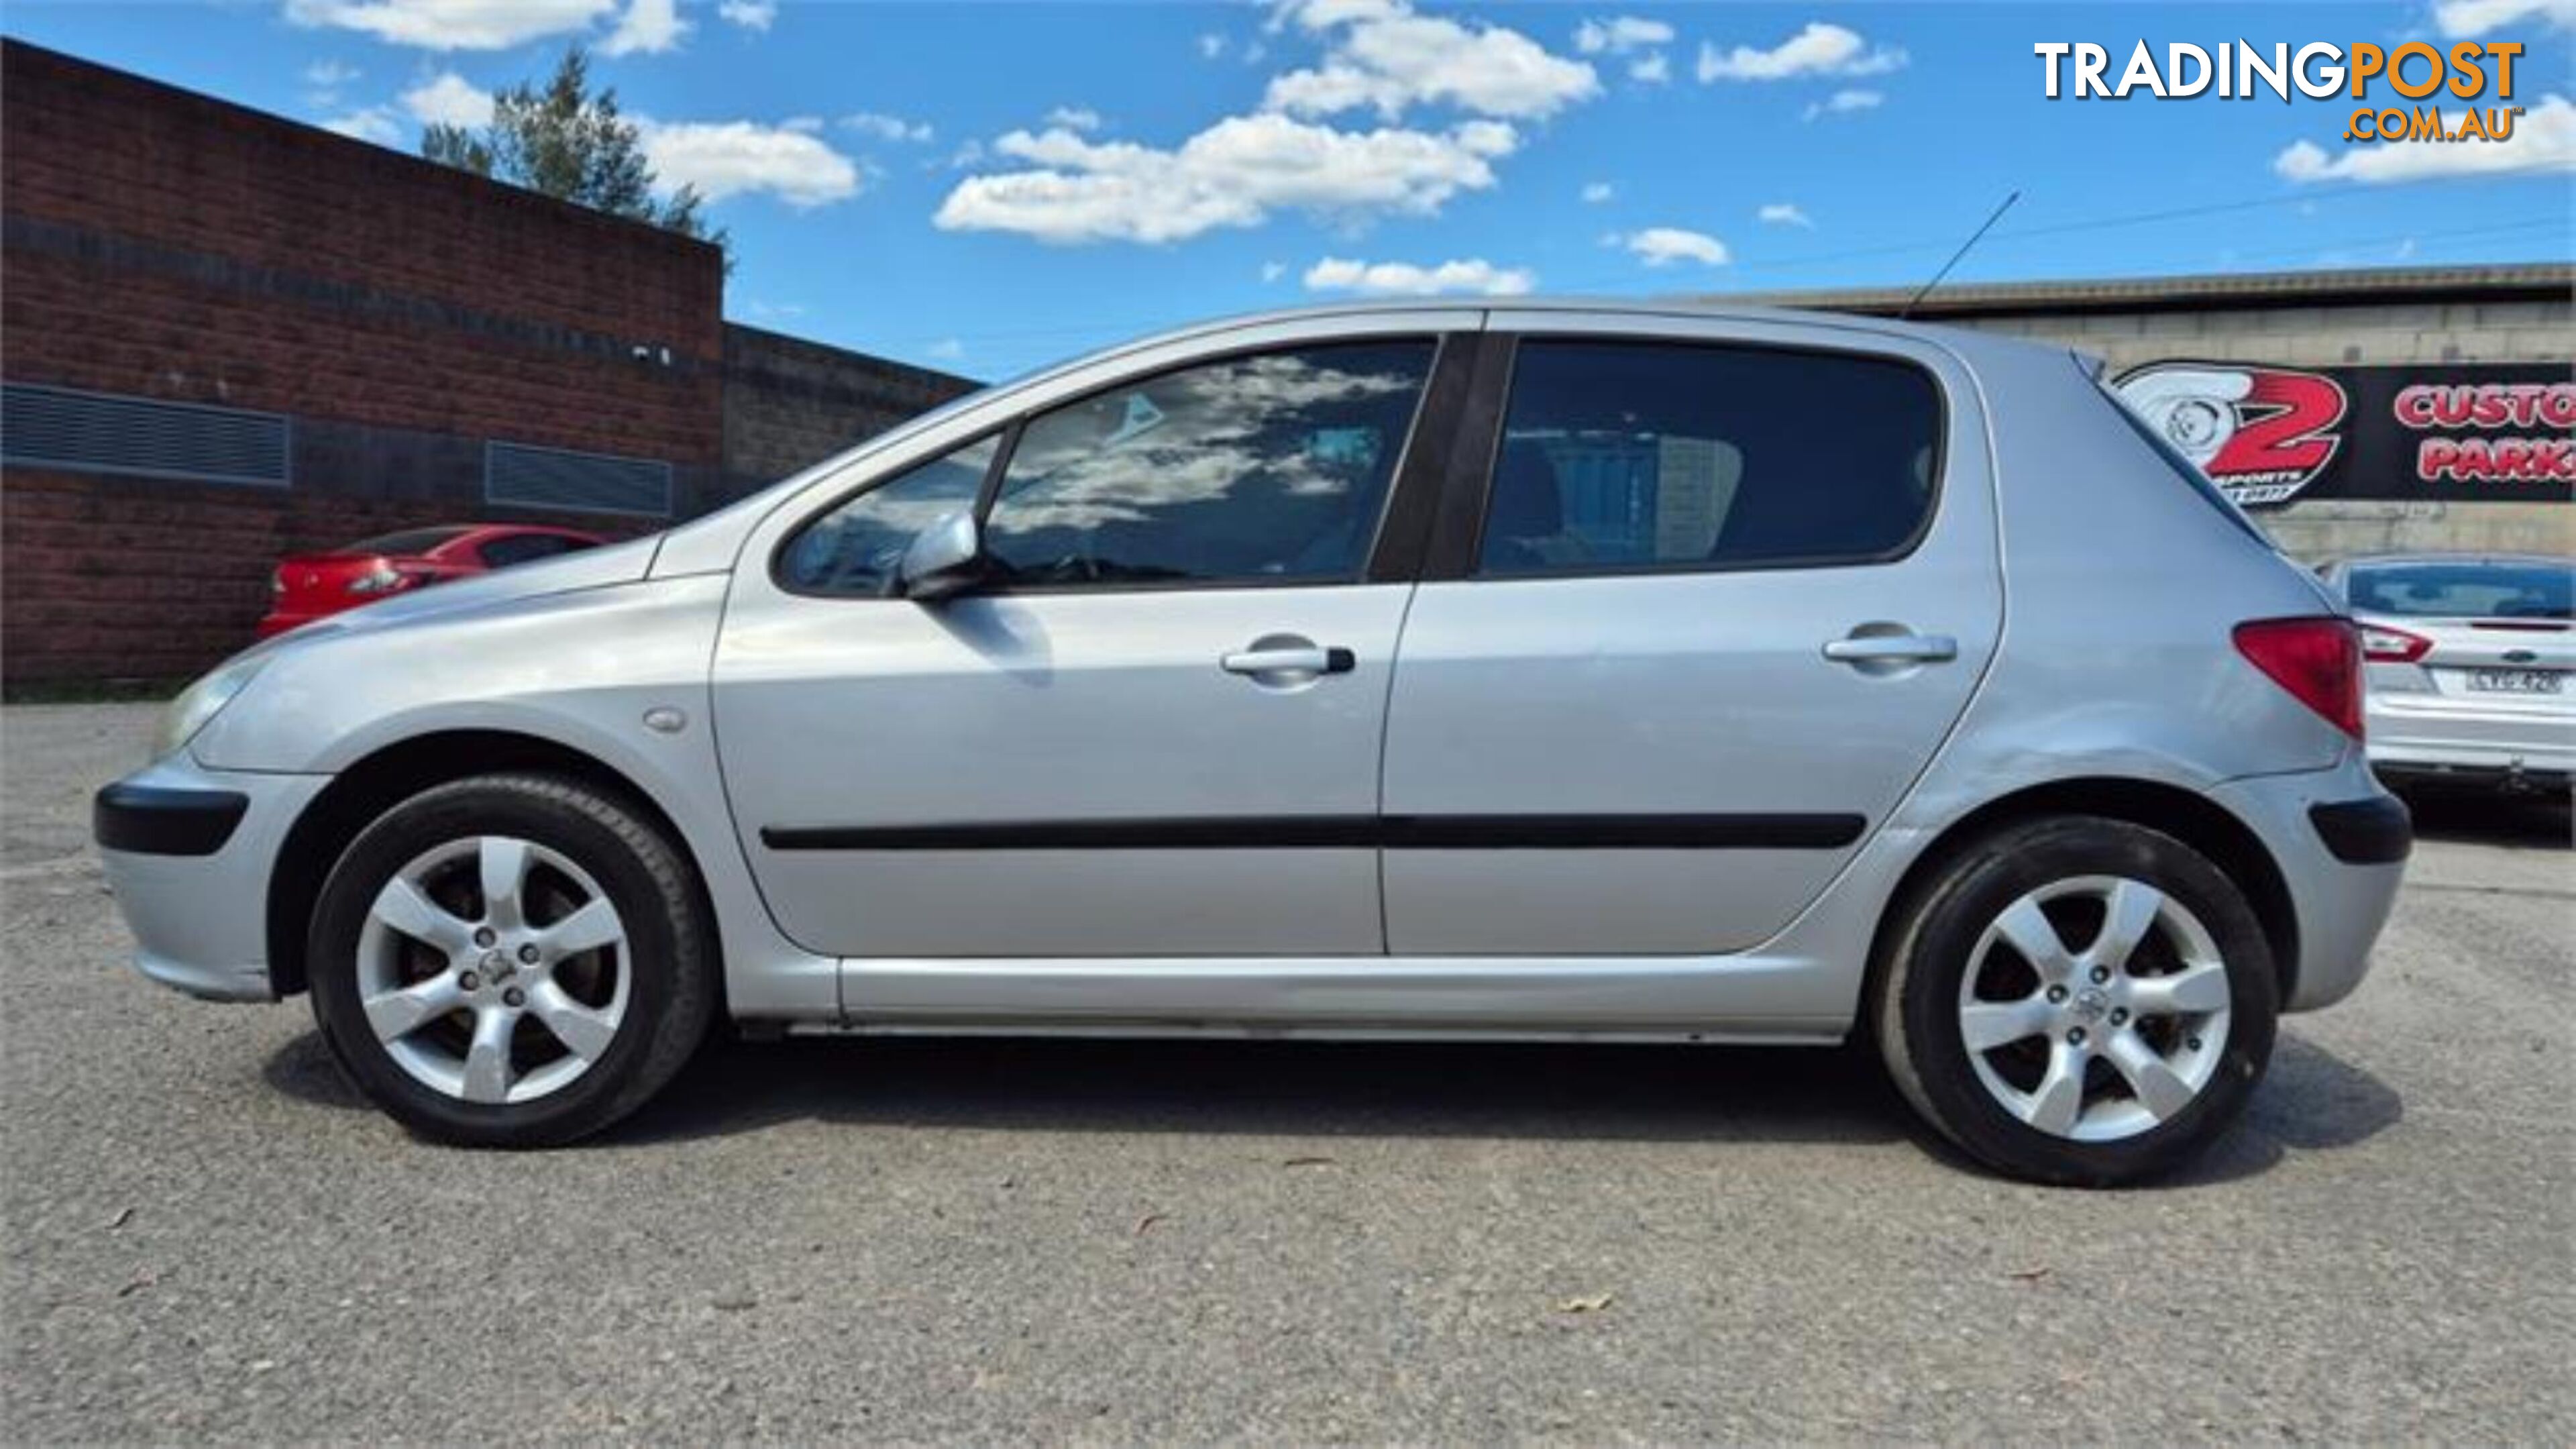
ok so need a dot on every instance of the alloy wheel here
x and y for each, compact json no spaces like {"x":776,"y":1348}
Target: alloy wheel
{"x":493,"y":970}
{"x":2095,"y":1008}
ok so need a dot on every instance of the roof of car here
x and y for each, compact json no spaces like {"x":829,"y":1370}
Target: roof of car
{"x":1953,"y":339}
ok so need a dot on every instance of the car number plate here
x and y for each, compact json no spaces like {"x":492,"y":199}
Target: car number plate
{"x":2514,"y":681}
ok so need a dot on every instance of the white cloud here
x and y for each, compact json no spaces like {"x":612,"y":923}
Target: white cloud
{"x":1404,"y":279}
{"x":1597,"y":192}
{"x":2456,"y":18}
{"x":1074,"y":118}
{"x":330,"y":75}
{"x":735,"y":158}
{"x":451,"y":24}
{"x":449,"y":100}
{"x":1783,"y":213}
{"x":1844,"y":103}
{"x":1273,"y":271}
{"x":1384,"y":55}
{"x":749,"y":14}
{"x":947,"y":349}
{"x":1619,"y":36}
{"x":1211,"y":46}
{"x":649,"y":27}
{"x":1233,"y":174}
{"x":2543,"y":140}
{"x":374,"y":123}
{"x":1653,"y":68}
{"x":1660,"y":246}
{"x":887,"y":128}
{"x":1820,"y":49}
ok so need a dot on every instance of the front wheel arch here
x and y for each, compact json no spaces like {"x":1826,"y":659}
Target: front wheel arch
{"x":378,"y":782}
{"x":2187,"y":815}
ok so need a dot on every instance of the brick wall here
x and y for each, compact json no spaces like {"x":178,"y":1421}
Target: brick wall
{"x":790,"y":403}
{"x":167,"y":245}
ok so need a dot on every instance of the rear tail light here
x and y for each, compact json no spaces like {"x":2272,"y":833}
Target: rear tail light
{"x":2317,"y":660}
{"x":2382,"y":645}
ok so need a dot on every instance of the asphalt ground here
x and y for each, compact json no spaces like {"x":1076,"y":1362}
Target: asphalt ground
{"x":208,"y":1235}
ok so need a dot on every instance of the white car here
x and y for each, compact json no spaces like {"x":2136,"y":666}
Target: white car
{"x":2472,"y":667}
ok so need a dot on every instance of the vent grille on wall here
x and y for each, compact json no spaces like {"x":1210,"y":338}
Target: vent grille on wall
{"x":95,"y":432}
{"x":527,"y":477}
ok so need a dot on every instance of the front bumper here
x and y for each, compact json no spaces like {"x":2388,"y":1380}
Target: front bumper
{"x":2340,"y":842}
{"x":188,"y":853}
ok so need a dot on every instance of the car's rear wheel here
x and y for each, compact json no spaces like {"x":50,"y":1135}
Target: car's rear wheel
{"x":2078,"y":1001}
{"x":512,"y":961}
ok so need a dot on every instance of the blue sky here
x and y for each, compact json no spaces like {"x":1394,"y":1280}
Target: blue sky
{"x":985,"y":187}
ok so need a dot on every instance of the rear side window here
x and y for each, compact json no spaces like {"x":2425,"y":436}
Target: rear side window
{"x":2465,"y":590}
{"x":1621,"y":456}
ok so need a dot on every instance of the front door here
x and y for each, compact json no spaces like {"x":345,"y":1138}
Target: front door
{"x":1725,"y":599}
{"x":1154,"y":732}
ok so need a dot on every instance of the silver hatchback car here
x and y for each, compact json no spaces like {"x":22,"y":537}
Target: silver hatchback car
{"x":1634,"y":673}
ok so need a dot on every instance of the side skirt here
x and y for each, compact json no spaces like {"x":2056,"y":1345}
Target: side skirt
{"x":1675,"y":998}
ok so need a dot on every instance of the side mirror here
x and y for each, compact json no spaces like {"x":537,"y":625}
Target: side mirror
{"x":945,"y":559}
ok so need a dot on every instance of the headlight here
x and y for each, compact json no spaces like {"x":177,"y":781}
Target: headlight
{"x":203,"y":700}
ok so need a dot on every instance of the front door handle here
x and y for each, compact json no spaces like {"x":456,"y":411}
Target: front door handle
{"x":1892,"y":649}
{"x":1266,"y":658}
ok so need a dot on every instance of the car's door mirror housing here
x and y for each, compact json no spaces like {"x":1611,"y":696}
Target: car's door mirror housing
{"x":943,"y":560}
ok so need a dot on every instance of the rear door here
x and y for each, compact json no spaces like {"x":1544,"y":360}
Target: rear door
{"x":1687,"y":640}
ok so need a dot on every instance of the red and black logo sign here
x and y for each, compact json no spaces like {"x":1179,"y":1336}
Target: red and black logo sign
{"x":2459,"y":433}
{"x":2261,"y":433}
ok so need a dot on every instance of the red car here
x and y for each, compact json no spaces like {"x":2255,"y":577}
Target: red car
{"x":308,"y":586}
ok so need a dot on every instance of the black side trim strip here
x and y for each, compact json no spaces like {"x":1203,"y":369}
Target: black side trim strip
{"x":1348,"y":832}
{"x":156,"y":820}
{"x":2365,"y":832}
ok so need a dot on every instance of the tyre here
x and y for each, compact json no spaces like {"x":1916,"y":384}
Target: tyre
{"x":512,"y":961}
{"x":2077,"y":1001}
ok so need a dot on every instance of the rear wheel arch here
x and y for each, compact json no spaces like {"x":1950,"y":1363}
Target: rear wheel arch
{"x":375,"y":784}
{"x":2187,"y":815}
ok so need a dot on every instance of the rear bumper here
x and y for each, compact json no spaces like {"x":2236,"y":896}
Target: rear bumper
{"x":2322,"y":830}
{"x":2430,"y":735}
{"x":188,"y":853}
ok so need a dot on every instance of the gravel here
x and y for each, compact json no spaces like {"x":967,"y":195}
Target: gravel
{"x":209,"y":1235}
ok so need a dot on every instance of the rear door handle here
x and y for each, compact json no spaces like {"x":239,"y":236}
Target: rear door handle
{"x":1290,"y":659}
{"x":1893,"y":649}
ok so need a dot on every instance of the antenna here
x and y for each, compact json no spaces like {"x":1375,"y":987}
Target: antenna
{"x":1954,"y":256}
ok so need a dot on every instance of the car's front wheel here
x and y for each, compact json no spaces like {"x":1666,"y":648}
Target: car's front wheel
{"x":2078,"y":1001}
{"x":512,"y":960}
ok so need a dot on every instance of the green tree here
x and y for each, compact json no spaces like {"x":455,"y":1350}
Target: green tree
{"x":567,"y":141}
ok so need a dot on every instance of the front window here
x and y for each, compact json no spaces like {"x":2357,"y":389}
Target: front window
{"x":1273,"y":467}
{"x":853,"y":549}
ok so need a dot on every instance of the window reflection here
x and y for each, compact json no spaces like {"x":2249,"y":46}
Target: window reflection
{"x":1267,"y":467}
